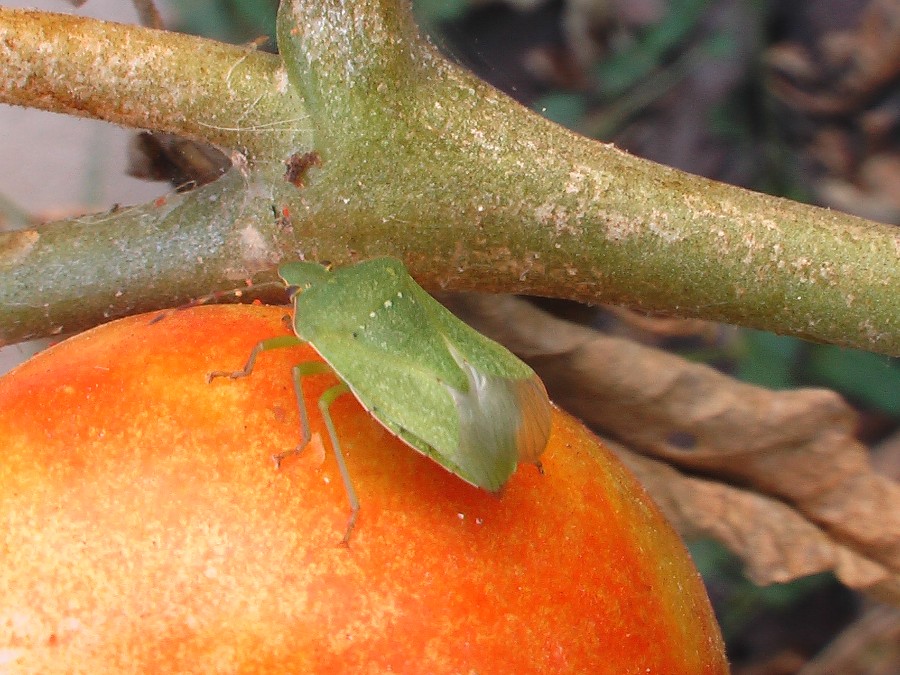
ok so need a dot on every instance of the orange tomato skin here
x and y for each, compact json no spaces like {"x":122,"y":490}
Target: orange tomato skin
{"x":146,"y":529}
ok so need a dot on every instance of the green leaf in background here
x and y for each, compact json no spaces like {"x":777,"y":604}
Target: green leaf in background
{"x":768,"y":360}
{"x":563,"y":108}
{"x":779,"y":362}
{"x":869,"y":378}
{"x":259,"y":13}
{"x":433,"y":12}
{"x":623,"y":70}
{"x":722,"y":574}
{"x":228,"y":20}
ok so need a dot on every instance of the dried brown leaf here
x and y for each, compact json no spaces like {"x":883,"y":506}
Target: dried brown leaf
{"x":886,"y":458}
{"x":148,"y":14}
{"x":856,"y":65}
{"x":880,"y":174}
{"x":635,"y":323}
{"x":796,"y":492}
{"x":869,"y":646}
{"x":844,"y":196}
{"x":776,"y":543}
{"x":185,"y":163}
{"x":146,"y":9}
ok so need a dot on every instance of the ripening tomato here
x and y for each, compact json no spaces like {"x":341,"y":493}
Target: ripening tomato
{"x":145,"y":528}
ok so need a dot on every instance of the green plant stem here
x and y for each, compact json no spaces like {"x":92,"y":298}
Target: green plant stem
{"x":421,"y":160}
{"x":234,"y":97}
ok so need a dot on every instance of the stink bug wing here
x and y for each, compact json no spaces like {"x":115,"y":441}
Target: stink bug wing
{"x":503,"y":375}
{"x":410,"y":402}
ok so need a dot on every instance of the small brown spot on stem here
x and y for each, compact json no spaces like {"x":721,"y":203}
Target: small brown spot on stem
{"x":298,"y":164}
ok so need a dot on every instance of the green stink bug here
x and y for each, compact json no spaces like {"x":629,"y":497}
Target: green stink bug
{"x":439,"y":385}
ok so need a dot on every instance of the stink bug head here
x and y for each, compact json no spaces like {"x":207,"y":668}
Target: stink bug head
{"x":300,"y":276}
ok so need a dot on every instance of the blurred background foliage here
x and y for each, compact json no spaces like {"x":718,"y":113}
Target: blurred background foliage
{"x":797,"y":99}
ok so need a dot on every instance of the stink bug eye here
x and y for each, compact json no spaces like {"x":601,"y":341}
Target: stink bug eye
{"x":440,"y":386}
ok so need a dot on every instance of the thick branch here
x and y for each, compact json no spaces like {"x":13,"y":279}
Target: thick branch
{"x":421,"y":160}
{"x":481,"y":185}
{"x":234,"y":97}
{"x":85,"y":271}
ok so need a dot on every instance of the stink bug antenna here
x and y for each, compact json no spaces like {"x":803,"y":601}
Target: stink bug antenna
{"x":253,"y":291}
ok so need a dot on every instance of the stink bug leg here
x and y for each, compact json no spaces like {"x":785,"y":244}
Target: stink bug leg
{"x":325,"y":402}
{"x":300,"y":371}
{"x":265,"y":345}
